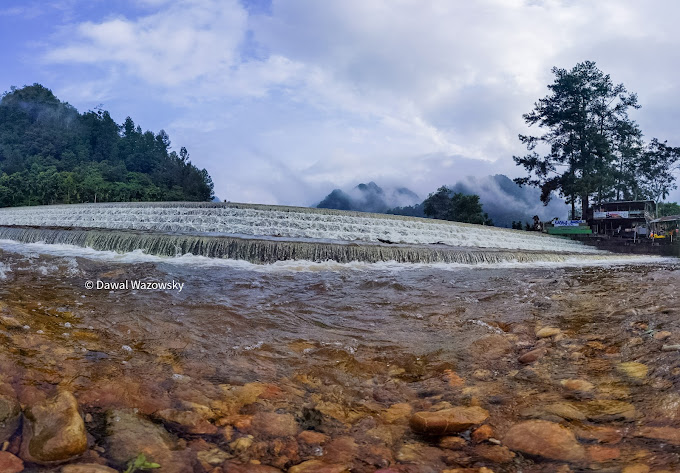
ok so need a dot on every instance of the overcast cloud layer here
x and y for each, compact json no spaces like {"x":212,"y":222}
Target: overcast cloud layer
{"x":284,"y":101}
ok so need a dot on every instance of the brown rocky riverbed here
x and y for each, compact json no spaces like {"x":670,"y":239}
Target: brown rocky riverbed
{"x":335,"y":368}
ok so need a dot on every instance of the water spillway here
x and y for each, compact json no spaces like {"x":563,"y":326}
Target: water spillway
{"x":265,"y":234}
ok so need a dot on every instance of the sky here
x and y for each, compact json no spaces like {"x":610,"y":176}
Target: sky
{"x":283,"y":101}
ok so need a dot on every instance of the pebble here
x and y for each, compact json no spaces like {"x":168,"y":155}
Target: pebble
{"x":666,"y":434}
{"x":87,"y":468}
{"x":482,"y":433}
{"x":533,"y":355}
{"x":636,"y":468}
{"x":544,"y":439}
{"x":599,"y":454}
{"x":633,"y":370}
{"x":662,"y":335}
{"x":10,"y":463}
{"x":447,"y":421}
{"x":546,"y":332}
{"x":577,"y":385}
{"x":318,"y":466}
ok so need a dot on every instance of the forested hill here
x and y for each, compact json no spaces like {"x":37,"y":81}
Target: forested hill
{"x":50,"y":153}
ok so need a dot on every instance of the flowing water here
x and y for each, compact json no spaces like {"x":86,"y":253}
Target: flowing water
{"x":344,"y":350}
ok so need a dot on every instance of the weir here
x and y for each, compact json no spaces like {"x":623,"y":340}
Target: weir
{"x":265,"y":234}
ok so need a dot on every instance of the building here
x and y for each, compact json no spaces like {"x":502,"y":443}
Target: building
{"x":626,"y":219}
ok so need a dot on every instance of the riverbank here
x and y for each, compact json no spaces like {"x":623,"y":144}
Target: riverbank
{"x":318,"y":368}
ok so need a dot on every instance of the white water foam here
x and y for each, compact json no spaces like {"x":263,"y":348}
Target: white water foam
{"x":32,"y":250}
{"x":4,"y":271}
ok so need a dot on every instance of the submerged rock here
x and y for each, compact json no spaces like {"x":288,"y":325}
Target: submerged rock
{"x":544,"y":439}
{"x":274,"y":425}
{"x":665,"y":434}
{"x":10,"y":416}
{"x":189,"y":421}
{"x":10,"y":463}
{"x":53,"y":431}
{"x":447,"y":421}
{"x":230,"y":467}
{"x":87,"y":468}
{"x":606,"y":410}
{"x":318,"y":466}
{"x":577,"y":386}
{"x":533,"y":355}
{"x":129,"y":435}
{"x":546,"y":332}
{"x":633,"y":370}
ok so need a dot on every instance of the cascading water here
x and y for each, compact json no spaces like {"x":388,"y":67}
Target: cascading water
{"x":264,"y":234}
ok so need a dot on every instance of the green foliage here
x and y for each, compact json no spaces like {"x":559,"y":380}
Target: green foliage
{"x":458,"y":207}
{"x":140,"y":464}
{"x":665,"y":209}
{"x":589,"y":146}
{"x":49,"y":153}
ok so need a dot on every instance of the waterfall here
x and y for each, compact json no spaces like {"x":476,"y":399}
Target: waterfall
{"x":264,"y":234}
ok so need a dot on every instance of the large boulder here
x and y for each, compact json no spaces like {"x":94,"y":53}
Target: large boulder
{"x":544,"y":439}
{"x":129,"y":435}
{"x":447,"y":421}
{"x":53,"y":431}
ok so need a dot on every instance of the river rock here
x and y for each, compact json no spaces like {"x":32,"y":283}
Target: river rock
{"x":547,"y":332}
{"x":554,"y":412}
{"x":452,"y":443}
{"x":666,"y":434}
{"x":398,"y":413}
{"x":87,"y":468}
{"x":600,"y":454}
{"x":188,"y":421}
{"x":129,"y":435}
{"x":544,"y":439}
{"x":633,"y":370}
{"x":606,"y":410}
{"x":490,"y":348}
{"x":591,"y":433}
{"x":309,"y":437}
{"x":231,"y":467}
{"x":636,"y":468}
{"x":53,"y":431}
{"x":317,"y":466}
{"x":10,"y":463}
{"x":10,"y":416}
{"x":494,"y":453}
{"x":577,"y":386}
{"x":447,"y":421}
{"x":662,"y":335}
{"x":485,"y":432}
{"x":533,"y":355}
{"x":274,"y":425}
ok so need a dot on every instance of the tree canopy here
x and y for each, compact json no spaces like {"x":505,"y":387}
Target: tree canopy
{"x":50,"y":153}
{"x":589,"y":146}
{"x":456,"y":206}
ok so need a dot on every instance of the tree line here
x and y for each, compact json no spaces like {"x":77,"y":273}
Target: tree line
{"x":589,"y":148}
{"x":50,"y":154}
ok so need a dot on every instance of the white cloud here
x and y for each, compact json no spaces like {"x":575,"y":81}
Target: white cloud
{"x":329,"y":93}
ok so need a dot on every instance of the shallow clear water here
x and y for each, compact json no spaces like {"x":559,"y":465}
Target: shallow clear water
{"x":348,"y":341}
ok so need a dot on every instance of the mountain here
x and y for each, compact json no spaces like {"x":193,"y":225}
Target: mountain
{"x":369,"y":198}
{"x":506,"y":202}
{"x":502,"y":199}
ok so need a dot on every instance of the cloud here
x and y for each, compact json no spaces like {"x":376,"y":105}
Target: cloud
{"x":339,"y":92}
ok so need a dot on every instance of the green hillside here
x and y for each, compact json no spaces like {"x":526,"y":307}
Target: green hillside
{"x":50,"y":153}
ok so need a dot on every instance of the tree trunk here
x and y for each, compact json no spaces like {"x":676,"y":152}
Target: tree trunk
{"x":584,"y":206}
